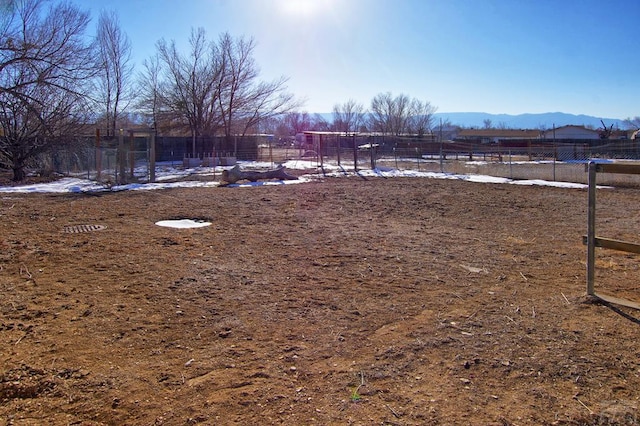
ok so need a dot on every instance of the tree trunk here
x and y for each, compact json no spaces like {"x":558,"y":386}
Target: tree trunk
{"x":19,"y":173}
{"x":234,"y":175}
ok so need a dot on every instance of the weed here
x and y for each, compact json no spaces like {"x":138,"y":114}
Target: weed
{"x":355,"y":396}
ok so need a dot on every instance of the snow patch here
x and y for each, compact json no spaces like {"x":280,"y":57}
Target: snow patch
{"x":183,"y":223}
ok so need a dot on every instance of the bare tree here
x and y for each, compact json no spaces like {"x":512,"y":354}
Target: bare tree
{"x":605,"y":132}
{"x":421,"y":117}
{"x":238,"y":68}
{"x":266,"y":100}
{"x":319,"y":123}
{"x":243,"y":100}
{"x":150,"y":100}
{"x":348,"y":117}
{"x":632,"y":123}
{"x":45,"y":65}
{"x":382,"y":111}
{"x":114,"y":78}
{"x":296,"y":122}
{"x":487,"y":123}
{"x":191,"y":83}
{"x":215,"y":88}
{"x":400,"y":114}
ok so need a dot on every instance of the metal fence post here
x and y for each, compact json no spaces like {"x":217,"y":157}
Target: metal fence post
{"x":510,"y":166}
{"x":98,"y":156}
{"x":121,"y":159}
{"x":152,"y":156}
{"x":591,"y":230}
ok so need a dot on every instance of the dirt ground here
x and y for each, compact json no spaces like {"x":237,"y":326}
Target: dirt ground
{"x":343,"y":301}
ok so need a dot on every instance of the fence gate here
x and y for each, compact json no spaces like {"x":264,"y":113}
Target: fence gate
{"x":592,"y":241}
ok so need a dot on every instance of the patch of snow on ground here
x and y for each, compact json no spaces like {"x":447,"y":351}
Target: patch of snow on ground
{"x":167,"y":171}
{"x":63,"y":185}
{"x":183,"y":223}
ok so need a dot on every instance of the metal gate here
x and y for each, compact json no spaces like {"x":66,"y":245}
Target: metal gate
{"x":592,"y":240}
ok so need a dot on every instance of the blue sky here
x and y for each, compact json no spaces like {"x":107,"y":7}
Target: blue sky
{"x":496,"y":56}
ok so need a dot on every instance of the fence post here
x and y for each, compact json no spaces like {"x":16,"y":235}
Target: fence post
{"x":98,"y":156}
{"x":355,"y":154}
{"x":591,"y":230}
{"x":132,"y":159}
{"x":152,"y":156}
{"x":510,"y":166}
{"x":555,"y":154}
{"x":373,"y":156}
{"x":121,"y":158}
{"x":320,"y":148}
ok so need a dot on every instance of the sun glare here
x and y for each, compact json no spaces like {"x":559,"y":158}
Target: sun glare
{"x":304,"y":8}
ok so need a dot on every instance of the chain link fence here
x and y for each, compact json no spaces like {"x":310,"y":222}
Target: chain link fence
{"x":115,"y":161}
{"x":561,"y":161}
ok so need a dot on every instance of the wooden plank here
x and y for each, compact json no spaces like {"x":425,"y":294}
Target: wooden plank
{"x":617,"y":245}
{"x":613,"y":244}
{"x":632,"y":169}
{"x":618,"y":301}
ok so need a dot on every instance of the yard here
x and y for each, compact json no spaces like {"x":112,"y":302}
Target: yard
{"x":358,"y":301}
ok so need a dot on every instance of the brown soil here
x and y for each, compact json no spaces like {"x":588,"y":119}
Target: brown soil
{"x":345,"y":301}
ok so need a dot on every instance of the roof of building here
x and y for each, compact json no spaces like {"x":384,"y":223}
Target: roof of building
{"x":574,"y":126}
{"x":499,"y":133}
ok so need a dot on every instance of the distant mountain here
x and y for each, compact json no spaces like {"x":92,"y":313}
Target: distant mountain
{"x":545,"y":120}
{"x":526,"y":121}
